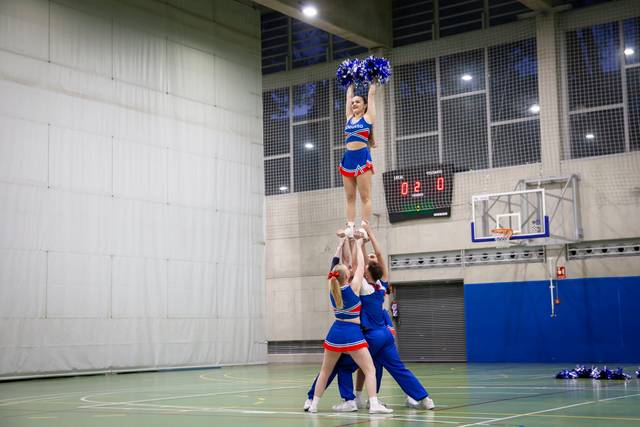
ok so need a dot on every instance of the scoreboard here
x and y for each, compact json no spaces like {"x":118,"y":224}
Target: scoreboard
{"x":423,"y":191}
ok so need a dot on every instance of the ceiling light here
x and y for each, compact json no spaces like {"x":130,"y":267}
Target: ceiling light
{"x":283,"y":188}
{"x":467,"y":77}
{"x":534,"y":109}
{"x":590,"y":136}
{"x":629,"y":51}
{"x":308,"y":145}
{"x":310,"y":11}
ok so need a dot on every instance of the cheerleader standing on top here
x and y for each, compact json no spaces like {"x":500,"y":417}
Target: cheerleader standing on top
{"x":356,"y":166}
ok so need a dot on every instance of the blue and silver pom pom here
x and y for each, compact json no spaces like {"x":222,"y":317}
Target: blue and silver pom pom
{"x":565,"y":374}
{"x":583,"y":372}
{"x":349,"y":72}
{"x":618,"y":374}
{"x":638,"y":373}
{"x":376,"y":69}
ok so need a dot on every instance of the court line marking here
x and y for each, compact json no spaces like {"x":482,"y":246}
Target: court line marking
{"x":39,"y":397}
{"x":98,"y":404}
{"x":176,"y":410}
{"x":109,"y":415}
{"x":20,"y":400}
{"x":562,"y":416}
{"x":549,"y":410}
{"x":183,"y":408}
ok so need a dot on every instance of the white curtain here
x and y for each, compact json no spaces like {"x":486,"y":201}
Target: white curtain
{"x":131,"y":194}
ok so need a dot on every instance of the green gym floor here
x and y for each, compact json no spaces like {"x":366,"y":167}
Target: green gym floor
{"x":272,"y":395}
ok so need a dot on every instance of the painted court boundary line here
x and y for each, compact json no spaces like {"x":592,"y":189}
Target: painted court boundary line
{"x":548,"y":410}
{"x":154,"y":409}
{"x":105,"y":404}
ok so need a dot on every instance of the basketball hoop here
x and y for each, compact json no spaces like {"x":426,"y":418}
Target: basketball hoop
{"x":502,"y":236}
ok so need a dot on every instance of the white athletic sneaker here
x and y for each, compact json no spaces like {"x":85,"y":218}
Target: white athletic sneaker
{"x":346,"y":406}
{"x":365,"y":236}
{"x":427,"y":403}
{"x":307,"y":405}
{"x":362,"y":403}
{"x":412,"y":403}
{"x":313,"y":409}
{"x":380,"y":409}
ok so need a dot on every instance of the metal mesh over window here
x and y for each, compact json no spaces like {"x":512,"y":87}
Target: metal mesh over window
{"x":495,"y":106}
{"x":602,"y":88}
{"x":288,"y":43}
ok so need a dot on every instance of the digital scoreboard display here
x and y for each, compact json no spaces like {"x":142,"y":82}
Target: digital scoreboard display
{"x":423,"y":191}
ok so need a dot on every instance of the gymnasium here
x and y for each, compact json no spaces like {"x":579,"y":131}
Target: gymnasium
{"x":172,"y":192}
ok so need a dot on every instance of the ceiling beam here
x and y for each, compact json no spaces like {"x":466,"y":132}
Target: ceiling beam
{"x":364,"y":22}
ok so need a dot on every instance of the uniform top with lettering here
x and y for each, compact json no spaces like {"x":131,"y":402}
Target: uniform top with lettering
{"x":359,"y":131}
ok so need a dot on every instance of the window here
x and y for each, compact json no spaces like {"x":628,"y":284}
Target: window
{"x":275,"y":42}
{"x":288,"y":43}
{"x":593,"y":66}
{"x":513,"y":83}
{"x":631,"y":50}
{"x":602,"y":82}
{"x":597,"y":133}
{"x":311,"y":156}
{"x":416,"y":101}
{"x":505,"y":11}
{"x":308,"y":44}
{"x":412,"y":21}
{"x":310,"y":101}
{"x":301,"y":159}
{"x":461,"y":135}
{"x":345,"y":49}
{"x":462,"y":72}
{"x":275,"y":110}
{"x":633,"y":89}
{"x":459,"y":16}
{"x":464,"y":132}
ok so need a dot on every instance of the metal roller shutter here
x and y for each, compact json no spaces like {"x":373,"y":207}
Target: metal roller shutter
{"x":431,"y":325}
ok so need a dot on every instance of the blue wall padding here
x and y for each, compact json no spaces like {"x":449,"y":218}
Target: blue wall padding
{"x":598,"y":321}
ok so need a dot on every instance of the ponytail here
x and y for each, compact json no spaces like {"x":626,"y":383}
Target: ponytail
{"x":334,"y":285}
{"x":336,"y":292}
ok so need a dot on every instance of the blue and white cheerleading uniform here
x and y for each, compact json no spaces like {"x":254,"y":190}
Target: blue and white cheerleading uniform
{"x":345,"y":336}
{"x":382,"y":346}
{"x":357,"y":162}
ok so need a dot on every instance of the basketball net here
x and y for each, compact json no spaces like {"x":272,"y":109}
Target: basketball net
{"x":502,"y":236}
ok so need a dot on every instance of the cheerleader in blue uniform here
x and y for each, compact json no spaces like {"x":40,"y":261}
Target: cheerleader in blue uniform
{"x":380,"y":334}
{"x":356,"y":166}
{"x":345,"y":335}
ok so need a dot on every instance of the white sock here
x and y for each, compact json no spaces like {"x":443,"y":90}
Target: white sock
{"x":350,"y":224}
{"x":373,"y":401}
{"x":358,"y":395}
{"x":315,"y":400}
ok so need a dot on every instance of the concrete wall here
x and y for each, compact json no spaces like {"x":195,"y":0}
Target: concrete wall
{"x":300,"y":242}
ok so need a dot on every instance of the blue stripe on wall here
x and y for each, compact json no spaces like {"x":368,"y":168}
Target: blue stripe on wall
{"x":598,"y":321}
